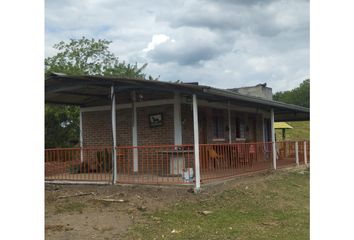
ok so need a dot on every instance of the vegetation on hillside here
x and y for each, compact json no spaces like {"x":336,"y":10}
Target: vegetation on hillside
{"x":299,"y":96}
{"x":300,"y":131}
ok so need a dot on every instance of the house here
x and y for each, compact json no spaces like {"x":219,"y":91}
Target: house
{"x":146,"y":131}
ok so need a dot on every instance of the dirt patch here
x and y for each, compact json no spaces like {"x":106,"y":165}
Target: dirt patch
{"x":72,"y":212}
{"x":107,"y":212}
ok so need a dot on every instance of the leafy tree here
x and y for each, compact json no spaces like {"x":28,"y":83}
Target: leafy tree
{"x":90,"y":57}
{"x":299,"y":96}
{"x":80,"y":57}
{"x":61,"y":126}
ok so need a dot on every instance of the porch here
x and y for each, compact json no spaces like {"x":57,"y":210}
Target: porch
{"x":170,"y":164}
{"x":152,"y":132}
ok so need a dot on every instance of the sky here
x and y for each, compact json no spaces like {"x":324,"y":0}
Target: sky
{"x":223,"y":43}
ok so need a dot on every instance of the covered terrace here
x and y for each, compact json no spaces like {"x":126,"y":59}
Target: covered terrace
{"x":182,"y":161}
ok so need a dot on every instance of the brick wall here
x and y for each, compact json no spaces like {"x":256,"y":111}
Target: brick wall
{"x":97,"y":126}
{"x":97,"y":132}
{"x":97,"y":129}
{"x":187,"y":124}
{"x":156,"y":135}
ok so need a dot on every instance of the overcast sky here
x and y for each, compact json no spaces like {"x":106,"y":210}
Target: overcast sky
{"x":221,"y":43}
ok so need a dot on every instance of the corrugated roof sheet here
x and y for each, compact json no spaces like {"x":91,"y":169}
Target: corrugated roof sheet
{"x":85,"y":90}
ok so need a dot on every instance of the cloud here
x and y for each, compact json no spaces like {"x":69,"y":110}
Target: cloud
{"x":190,"y":47}
{"x":219,"y":43}
{"x":156,"y":40}
{"x":267,"y":18}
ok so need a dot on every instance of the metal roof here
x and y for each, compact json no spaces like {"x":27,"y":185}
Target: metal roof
{"x":94,"y":91}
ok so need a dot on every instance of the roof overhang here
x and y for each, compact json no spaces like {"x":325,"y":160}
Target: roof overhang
{"x":95,"y":90}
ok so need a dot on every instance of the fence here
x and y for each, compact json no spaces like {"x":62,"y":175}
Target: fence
{"x":168,"y":164}
{"x":226,"y":160}
{"x":75,"y":164}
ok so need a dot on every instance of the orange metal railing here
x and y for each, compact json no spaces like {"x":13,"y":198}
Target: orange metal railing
{"x":226,"y":160}
{"x":286,"y":154}
{"x":167,"y":164}
{"x":75,"y":164}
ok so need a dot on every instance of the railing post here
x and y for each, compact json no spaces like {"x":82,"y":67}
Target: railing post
{"x":305,"y":153}
{"x":196,"y":144}
{"x":114,"y":151}
{"x":273,"y":139}
{"x":297,"y":153}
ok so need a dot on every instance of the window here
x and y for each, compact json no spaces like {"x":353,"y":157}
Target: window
{"x":267,"y":131}
{"x":218,"y":125}
{"x":240,"y":128}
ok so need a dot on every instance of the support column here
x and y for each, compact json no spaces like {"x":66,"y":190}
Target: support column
{"x":229,"y":119}
{"x":297,"y":153}
{"x":134,"y":134}
{"x":305,"y":153}
{"x":177,"y":120}
{"x":273,"y":138}
{"x":263,"y":129}
{"x":81,"y":139}
{"x":196,"y":143}
{"x":114,"y":138}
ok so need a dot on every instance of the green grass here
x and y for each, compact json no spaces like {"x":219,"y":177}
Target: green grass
{"x":276,"y":208}
{"x":300,"y":131}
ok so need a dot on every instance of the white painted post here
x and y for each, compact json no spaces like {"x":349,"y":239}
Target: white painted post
{"x":273,"y":139}
{"x":134,"y":134}
{"x":297,"y":153}
{"x":114,"y":151}
{"x":196,"y":144}
{"x":229,"y":118}
{"x":81,"y":139}
{"x":305,"y":153}
{"x":177,"y":122}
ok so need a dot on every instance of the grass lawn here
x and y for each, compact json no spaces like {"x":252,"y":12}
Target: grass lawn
{"x":300,"y":131}
{"x":274,"y":208}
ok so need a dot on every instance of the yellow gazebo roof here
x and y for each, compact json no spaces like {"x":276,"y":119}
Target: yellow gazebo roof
{"x":282,"y":125}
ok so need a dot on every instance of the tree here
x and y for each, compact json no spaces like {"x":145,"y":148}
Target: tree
{"x":299,"y":96}
{"x":80,"y":57}
{"x":61,"y":126}
{"x":90,"y":57}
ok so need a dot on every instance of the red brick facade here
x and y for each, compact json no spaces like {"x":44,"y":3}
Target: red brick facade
{"x":206,"y":119}
{"x":97,"y":126}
